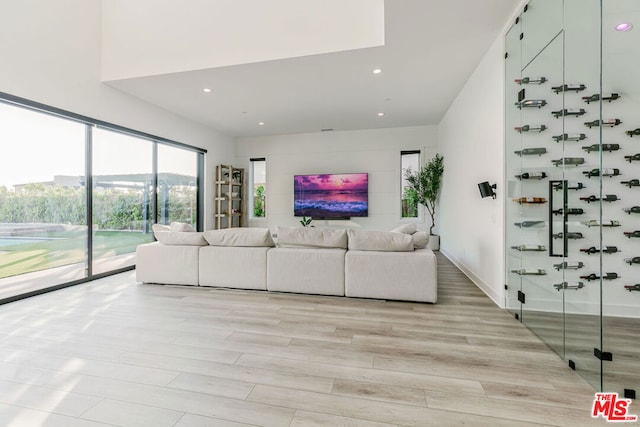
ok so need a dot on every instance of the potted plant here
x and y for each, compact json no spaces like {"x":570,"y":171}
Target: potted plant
{"x":426,"y":183}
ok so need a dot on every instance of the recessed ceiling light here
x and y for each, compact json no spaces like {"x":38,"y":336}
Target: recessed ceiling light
{"x":380,"y":114}
{"x":261,"y":123}
{"x":624,"y":26}
{"x":206,"y":89}
{"x":377,"y":70}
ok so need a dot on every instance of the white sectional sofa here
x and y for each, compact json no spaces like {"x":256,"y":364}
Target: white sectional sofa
{"x":353,"y":263}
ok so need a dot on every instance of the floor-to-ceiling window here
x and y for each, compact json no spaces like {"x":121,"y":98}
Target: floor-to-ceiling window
{"x":122,"y":192}
{"x":42,"y":200}
{"x":177,"y":185}
{"x":48,"y":158}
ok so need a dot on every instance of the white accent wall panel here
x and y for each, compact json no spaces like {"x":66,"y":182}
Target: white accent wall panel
{"x":374,"y":151}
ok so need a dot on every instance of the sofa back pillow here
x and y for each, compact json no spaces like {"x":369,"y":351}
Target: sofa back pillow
{"x":408,"y":228}
{"x":165,"y":236}
{"x":420,"y":239}
{"x":384,"y":241}
{"x":181,"y":226}
{"x":310,"y":237}
{"x":247,"y":237}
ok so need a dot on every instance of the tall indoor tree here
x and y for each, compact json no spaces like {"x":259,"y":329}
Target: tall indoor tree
{"x":426,"y":183}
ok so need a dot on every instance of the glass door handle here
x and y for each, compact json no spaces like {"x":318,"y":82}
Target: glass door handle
{"x":553,"y":185}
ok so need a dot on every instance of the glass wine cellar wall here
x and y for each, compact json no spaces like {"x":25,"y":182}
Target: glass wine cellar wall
{"x":572,"y":180}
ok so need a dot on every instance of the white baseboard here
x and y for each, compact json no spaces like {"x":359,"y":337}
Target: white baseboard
{"x":497,"y":298}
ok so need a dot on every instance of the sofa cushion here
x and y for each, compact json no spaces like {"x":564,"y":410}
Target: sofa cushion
{"x":165,"y":236}
{"x":387,"y":241}
{"x":181,"y":226}
{"x":247,"y":237}
{"x":409,"y":228}
{"x":420,"y":239}
{"x":310,"y":237}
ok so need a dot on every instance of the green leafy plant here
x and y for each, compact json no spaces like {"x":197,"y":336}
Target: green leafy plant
{"x":258,"y":202}
{"x":426,"y":183}
{"x":306,"y":222}
{"x":409,"y":203}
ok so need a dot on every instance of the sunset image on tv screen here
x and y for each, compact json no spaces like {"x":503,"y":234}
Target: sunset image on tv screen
{"x":331,"y":195}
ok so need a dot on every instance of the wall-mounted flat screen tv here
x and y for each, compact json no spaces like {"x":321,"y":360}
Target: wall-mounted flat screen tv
{"x":331,"y":196}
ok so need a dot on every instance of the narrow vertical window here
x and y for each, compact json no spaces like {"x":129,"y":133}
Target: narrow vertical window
{"x":409,"y":161}
{"x":258,"y":188}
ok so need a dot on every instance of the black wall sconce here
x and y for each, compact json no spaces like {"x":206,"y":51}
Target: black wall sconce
{"x":486,"y":189}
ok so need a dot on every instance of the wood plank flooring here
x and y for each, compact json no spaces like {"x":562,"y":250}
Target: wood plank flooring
{"x":115,"y":352}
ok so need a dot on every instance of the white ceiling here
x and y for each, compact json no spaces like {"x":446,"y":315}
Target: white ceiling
{"x":431,"y":48}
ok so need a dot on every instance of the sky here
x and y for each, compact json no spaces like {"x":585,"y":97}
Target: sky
{"x":351,"y":181}
{"x":35,"y":146}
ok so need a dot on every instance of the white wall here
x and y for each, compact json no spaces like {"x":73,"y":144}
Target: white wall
{"x":471,"y":139}
{"x":148,"y":37}
{"x":50,"y":53}
{"x":375,"y":151}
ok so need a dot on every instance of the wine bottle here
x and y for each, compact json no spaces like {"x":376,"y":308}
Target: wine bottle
{"x":569,"y":137}
{"x":531,"y":103}
{"x":605,"y":172}
{"x":631,"y":183}
{"x":605,"y":147}
{"x":634,"y":260}
{"x":597,"y":249}
{"x":530,"y":200}
{"x":596,"y":97}
{"x":569,"y":112}
{"x":570,"y":186}
{"x":631,"y":133}
{"x":632,"y":158}
{"x":605,"y":123}
{"x":532,"y":175}
{"x":529,"y":128}
{"x":569,"y":285}
{"x":574,"y":161}
{"x":530,"y":272}
{"x":531,"y":80}
{"x":528,"y":224}
{"x":573,"y":235}
{"x":632,"y":287}
{"x":529,"y":248}
{"x":634,"y":209}
{"x":606,"y":198}
{"x":569,"y":88}
{"x":596,"y":223}
{"x":631,"y":234}
{"x":570,"y":211}
{"x":569,"y":265}
{"x":531,"y":151}
{"x":607,"y":276}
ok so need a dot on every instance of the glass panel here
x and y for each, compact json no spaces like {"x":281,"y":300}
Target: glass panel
{"x":541,"y":23}
{"x":621,"y":306}
{"x":513,"y":143}
{"x":43,"y":230}
{"x":122,"y":191}
{"x":409,"y":202}
{"x":177,"y":185}
{"x":258,"y":186}
{"x":542,"y":311}
{"x":582,"y":306}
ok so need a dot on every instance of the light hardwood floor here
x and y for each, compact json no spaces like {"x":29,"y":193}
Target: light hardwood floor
{"x":115,"y":352}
